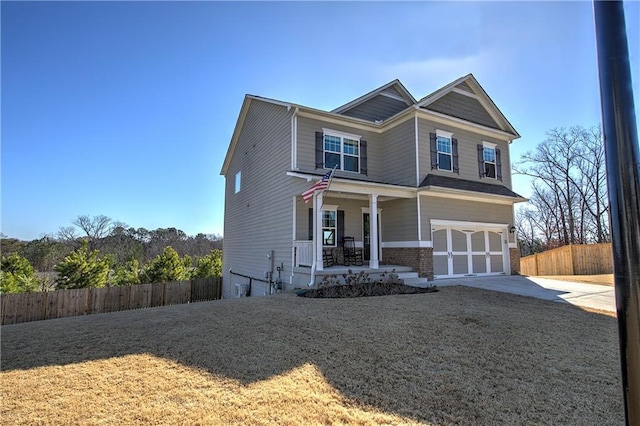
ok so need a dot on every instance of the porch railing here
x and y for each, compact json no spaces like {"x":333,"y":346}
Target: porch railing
{"x":303,"y":253}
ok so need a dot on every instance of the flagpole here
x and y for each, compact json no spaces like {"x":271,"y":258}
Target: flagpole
{"x":328,"y":184}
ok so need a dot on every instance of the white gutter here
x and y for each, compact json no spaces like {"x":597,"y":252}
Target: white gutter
{"x":415,"y":118}
{"x":294,"y":139}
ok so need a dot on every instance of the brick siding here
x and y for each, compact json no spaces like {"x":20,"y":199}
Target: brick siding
{"x":420,"y":259}
{"x":514,"y":255}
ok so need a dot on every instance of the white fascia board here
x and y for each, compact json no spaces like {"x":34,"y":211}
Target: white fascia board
{"x":490,"y":106}
{"x":374,"y":93}
{"x":465,"y":93}
{"x":407,"y":244}
{"x":236,"y":134}
{"x":343,"y":120}
{"x":440,"y":92}
{"x":464,"y":224}
{"x":459,"y":194}
{"x":367,"y":188}
{"x":361,"y":187}
{"x":466,"y":125}
{"x":357,"y":123}
{"x":240,"y":122}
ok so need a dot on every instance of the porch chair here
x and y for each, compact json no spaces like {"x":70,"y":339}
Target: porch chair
{"x":352,"y":255}
{"x":327,"y":257}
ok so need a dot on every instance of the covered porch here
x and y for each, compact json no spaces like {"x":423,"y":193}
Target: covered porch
{"x":349,"y":211}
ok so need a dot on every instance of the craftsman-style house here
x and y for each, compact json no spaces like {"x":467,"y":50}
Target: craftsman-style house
{"x":422,"y":186}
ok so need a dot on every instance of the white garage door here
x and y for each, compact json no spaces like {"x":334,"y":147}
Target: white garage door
{"x":460,"y":251}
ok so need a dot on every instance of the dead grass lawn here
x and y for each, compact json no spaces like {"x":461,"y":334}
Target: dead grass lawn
{"x":459,"y":356}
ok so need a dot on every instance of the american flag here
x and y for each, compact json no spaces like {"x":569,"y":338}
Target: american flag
{"x":321,"y":185}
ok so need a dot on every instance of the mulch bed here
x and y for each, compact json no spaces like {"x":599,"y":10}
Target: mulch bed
{"x":364,"y":290}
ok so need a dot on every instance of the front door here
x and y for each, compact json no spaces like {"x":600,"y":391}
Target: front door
{"x":366,"y":235}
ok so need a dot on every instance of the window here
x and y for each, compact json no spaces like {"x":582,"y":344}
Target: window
{"x":238,"y":181}
{"x":342,"y":150}
{"x":489,"y":158}
{"x":443,"y":142}
{"x":329,"y":222}
{"x":489,"y":164}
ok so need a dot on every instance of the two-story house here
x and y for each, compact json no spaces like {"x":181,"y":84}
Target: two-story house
{"x":423,"y":184}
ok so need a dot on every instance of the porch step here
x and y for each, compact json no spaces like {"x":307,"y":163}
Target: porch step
{"x":417,"y":282}
{"x":403,"y":275}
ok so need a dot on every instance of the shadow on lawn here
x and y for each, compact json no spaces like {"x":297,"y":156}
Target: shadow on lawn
{"x":459,"y":355}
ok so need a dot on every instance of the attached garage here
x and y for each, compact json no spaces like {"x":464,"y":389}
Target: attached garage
{"x":463,"y":249}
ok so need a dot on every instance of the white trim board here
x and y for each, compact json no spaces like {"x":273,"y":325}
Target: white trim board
{"x":407,"y":244}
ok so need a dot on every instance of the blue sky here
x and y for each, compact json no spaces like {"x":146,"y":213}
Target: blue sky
{"x":126,"y":109}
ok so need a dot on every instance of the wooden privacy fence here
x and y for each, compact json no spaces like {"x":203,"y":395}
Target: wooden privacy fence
{"x":580,"y":259}
{"x":25,"y":307}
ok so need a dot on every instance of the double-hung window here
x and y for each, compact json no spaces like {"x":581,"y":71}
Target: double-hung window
{"x":489,"y":157}
{"x":445,"y":157}
{"x":329,"y":225}
{"x":341,"y":150}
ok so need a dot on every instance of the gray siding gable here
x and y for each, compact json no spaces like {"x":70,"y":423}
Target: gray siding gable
{"x":463,"y":107}
{"x":379,"y":107}
{"x":465,"y":86}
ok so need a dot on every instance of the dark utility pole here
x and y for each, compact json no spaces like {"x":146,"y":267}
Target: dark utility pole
{"x":623,"y":179}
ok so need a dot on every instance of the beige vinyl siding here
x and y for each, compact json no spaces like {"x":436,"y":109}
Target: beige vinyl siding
{"x":464,"y":107}
{"x":467,"y":153}
{"x":258,"y":218}
{"x":399,"y":152}
{"x":307,"y":128}
{"x":399,"y":220}
{"x":462,"y":210}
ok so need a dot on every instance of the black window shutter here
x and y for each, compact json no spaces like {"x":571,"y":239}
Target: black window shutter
{"x":340,"y":233}
{"x":310,"y":224}
{"x":319,"y":150}
{"x":481,"y":160}
{"x":498,"y":165}
{"x":434,"y":151}
{"x":454,"y":152}
{"x":363,"y":157}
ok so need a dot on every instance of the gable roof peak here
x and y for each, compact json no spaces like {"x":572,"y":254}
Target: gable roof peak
{"x":396,"y":84}
{"x":476,"y":91}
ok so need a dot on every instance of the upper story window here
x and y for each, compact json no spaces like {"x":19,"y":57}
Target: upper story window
{"x":489,"y":156}
{"x":238,"y":181}
{"x":341,"y":150}
{"x":489,"y":163}
{"x":444,"y":151}
{"x":346,"y":151}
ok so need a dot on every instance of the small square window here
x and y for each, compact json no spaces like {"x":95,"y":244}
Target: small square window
{"x":238,"y":181}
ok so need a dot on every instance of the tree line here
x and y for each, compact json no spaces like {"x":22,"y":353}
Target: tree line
{"x":98,"y":251}
{"x":569,"y":202}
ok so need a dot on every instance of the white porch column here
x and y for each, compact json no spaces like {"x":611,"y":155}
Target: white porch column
{"x":373,"y":231}
{"x":318,"y":199}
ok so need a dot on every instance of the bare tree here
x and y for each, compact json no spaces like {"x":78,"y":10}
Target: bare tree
{"x":569,"y":186}
{"x":95,"y":228}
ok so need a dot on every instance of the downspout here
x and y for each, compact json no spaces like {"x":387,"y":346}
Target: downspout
{"x":294,"y":139}
{"x":418,"y":178}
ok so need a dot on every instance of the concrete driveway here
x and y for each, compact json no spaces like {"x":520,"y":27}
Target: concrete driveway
{"x":586,"y":295}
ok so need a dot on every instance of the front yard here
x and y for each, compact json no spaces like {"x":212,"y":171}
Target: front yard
{"x":458,"y":356}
